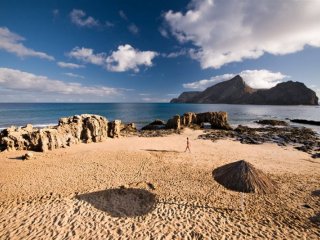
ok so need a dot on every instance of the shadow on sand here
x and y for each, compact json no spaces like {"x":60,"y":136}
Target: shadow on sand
{"x":17,"y":158}
{"x":159,"y":150}
{"x":121,"y":202}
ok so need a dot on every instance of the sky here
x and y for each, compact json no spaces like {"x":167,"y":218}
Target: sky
{"x":152,"y":50}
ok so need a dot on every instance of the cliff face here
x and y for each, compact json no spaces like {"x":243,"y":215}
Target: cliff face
{"x":236,"y":91}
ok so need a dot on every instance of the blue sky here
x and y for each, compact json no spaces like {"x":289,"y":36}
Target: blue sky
{"x":151,"y":51}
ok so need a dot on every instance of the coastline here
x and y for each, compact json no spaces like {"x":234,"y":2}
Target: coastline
{"x":59,"y":193}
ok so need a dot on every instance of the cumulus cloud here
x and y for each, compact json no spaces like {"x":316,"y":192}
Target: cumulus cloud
{"x":24,"y":83}
{"x":12,"y":43}
{"x":78,"y":17}
{"x":87,"y":55}
{"x":69,"y":65}
{"x":133,"y":28}
{"x":74,"y":75}
{"x":124,"y":59}
{"x":258,"y":79}
{"x":127,"y":58}
{"x":231,"y":31}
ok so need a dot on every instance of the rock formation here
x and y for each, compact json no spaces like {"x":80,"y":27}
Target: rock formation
{"x":236,"y":91}
{"x":114,"y":128}
{"x":79,"y":128}
{"x":155,"y":125}
{"x":173,"y":123}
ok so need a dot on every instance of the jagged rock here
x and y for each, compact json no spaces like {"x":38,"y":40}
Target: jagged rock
{"x":217,"y":120}
{"x":272,"y":122}
{"x":128,"y":129}
{"x":155,"y":125}
{"x":114,"y":128}
{"x":188,"y":118}
{"x":173,"y":123}
{"x":79,"y":128}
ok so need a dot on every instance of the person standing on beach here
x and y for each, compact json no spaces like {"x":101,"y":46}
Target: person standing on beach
{"x":188,"y":146}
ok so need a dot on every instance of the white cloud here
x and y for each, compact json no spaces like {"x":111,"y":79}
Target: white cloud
{"x":127,"y":58}
{"x":74,"y":75}
{"x":233,"y":30}
{"x":257,"y":79}
{"x":24,"y":84}
{"x":11,"y":42}
{"x":69,"y":65}
{"x":163,"y":32}
{"x":182,"y":52}
{"x":123,"y":15}
{"x":78,"y":17}
{"x":87,"y":55}
{"x":133,"y":28}
{"x":124,"y":59}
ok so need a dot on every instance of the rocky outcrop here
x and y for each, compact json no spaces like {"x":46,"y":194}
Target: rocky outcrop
{"x":236,"y":91}
{"x":217,"y":120}
{"x":272,"y":122}
{"x":80,"y":128}
{"x":188,"y":118}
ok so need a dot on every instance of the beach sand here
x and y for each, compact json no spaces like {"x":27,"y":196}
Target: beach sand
{"x":148,"y":188}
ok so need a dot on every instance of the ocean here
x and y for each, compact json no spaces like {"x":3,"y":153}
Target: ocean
{"x":44,"y":114}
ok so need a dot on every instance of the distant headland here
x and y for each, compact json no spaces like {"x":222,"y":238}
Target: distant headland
{"x":236,"y":91}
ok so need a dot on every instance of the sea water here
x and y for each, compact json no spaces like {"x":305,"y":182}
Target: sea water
{"x":44,"y":114}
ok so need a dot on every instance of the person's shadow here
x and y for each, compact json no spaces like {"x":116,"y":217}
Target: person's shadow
{"x":121,"y":202}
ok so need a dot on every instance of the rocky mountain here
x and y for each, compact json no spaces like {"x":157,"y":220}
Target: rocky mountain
{"x":236,"y":91}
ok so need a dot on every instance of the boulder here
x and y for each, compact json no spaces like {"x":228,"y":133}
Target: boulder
{"x":114,"y":128}
{"x":128,"y":128}
{"x":155,"y":125}
{"x":27,"y":156}
{"x":174,"y":123}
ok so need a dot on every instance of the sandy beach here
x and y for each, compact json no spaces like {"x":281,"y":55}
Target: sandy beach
{"x":149,"y":188}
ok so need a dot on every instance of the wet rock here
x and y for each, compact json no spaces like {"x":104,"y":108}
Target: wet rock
{"x":303,"y":121}
{"x":303,"y":139}
{"x":272,"y":122}
{"x":155,"y":125}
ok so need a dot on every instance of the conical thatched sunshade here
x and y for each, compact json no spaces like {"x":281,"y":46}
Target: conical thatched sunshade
{"x":242,"y":176}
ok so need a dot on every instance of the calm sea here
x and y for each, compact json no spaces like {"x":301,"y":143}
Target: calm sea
{"x":43,"y":114}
